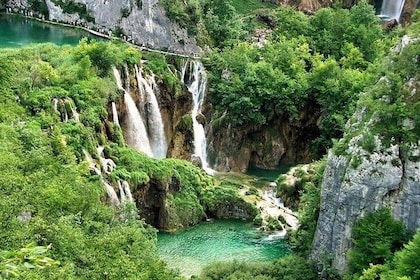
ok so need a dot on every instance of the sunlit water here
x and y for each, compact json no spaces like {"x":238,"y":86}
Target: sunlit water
{"x":223,"y":240}
{"x":16,"y":32}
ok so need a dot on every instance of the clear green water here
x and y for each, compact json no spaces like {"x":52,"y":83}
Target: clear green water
{"x":222,"y":240}
{"x":16,"y":32}
{"x":269,"y":175}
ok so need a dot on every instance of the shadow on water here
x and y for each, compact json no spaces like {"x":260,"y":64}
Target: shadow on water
{"x":268,"y":175}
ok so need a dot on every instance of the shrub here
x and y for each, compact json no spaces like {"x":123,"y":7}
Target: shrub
{"x":375,"y":238}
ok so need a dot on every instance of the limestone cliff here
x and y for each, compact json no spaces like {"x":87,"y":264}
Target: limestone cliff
{"x":237,"y":148}
{"x":143,"y":22}
{"x":384,"y":179}
{"x":376,"y":165}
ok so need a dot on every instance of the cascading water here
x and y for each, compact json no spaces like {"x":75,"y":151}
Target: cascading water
{"x":155,"y":127}
{"x":115,"y":114}
{"x":127,"y":191}
{"x":392,"y":9}
{"x":149,"y":15}
{"x":197,"y":84}
{"x":113,"y":198}
{"x":136,"y":130}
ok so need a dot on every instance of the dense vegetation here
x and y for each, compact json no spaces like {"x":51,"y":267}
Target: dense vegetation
{"x":50,"y":199}
{"x":378,"y":245}
{"x":48,"y":195}
{"x":322,"y":62}
{"x":54,"y":113}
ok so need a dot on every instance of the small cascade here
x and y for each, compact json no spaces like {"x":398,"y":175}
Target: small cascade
{"x":54,"y":103}
{"x":197,"y":84}
{"x":122,"y":193}
{"x":392,"y":9}
{"x":149,"y":16}
{"x":136,"y":130}
{"x":108,"y":165}
{"x":115,"y":114}
{"x":155,"y":126}
{"x":75,"y":114}
{"x":113,"y":197}
{"x":273,"y":207}
{"x":127,"y":191}
{"x":92,"y":165}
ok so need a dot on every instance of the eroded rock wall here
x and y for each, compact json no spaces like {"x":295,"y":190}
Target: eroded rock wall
{"x":387,"y":178}
{"x":236,"y":148}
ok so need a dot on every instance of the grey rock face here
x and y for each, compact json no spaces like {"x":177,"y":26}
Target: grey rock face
{"x":147,"y":25}
{"x":383,"y":179}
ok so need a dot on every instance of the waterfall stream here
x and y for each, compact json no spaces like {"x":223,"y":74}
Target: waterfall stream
{"x":135,"y":130}
{"x":197,"y":84}
{"x":115,"y":114}
{"x":273,"y":206}
{"x":392,"y":9}
{"x":155,"y":126}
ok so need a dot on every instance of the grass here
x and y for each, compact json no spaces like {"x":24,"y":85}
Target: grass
{"x":247,"y":7}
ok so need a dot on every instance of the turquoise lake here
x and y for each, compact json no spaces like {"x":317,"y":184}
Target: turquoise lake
{"x":222,"y":240}
{"x":16,"y":32}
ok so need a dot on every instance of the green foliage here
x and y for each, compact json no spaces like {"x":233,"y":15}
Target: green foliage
{"x":125,"y":12}
{"x":222,"y":23}
{"x":71,"y":7}
{"x":234,"y":270}
{"x":225,"y":196}
{"x":309,"y":204}
{"x":47,"y":195}
{"x":252,"y":191}
{"x":185,"y":13}
{"x":17,"y":263}
{"x":289,"y":268}
{"x":247,"y":7}
{"x":392,"y":105}
{"x":404,"y":266}
{"x":39,"y":6}
{"x":103,"y":54}
{"x":335,"y":28}
{"x":322,"y":62}
{"x":407,"y":260}
{"x":375,"y":238}
{"x":184,"y":180}
{"x":368,"y":143}
{"x":163,"y":68}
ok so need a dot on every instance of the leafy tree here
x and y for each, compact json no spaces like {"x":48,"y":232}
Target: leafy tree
{"x":17,"y":263}
{"x":407,"y":260}
{"x":375,"y":238}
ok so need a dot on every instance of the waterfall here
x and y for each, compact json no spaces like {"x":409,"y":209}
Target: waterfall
{"x":75,"y":114}
{"x":122,"y":192}
{"x":113,"y":198}
{"x":197,"y":84}
{"x":115,"y":114}
{"x":55,"y":104}
{"x":155,"y":127}
{"x":111,"y":193}
{"x":127,"y":191}
{"x":272,"y":206}
{"x":136,"y":130}
{"x":392,"y":9}
{"x":149,"y":15}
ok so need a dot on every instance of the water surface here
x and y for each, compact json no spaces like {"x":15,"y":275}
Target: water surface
{"x":222,"y":240}
{"x":269,"y":175}
{"x":16,"y":32}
